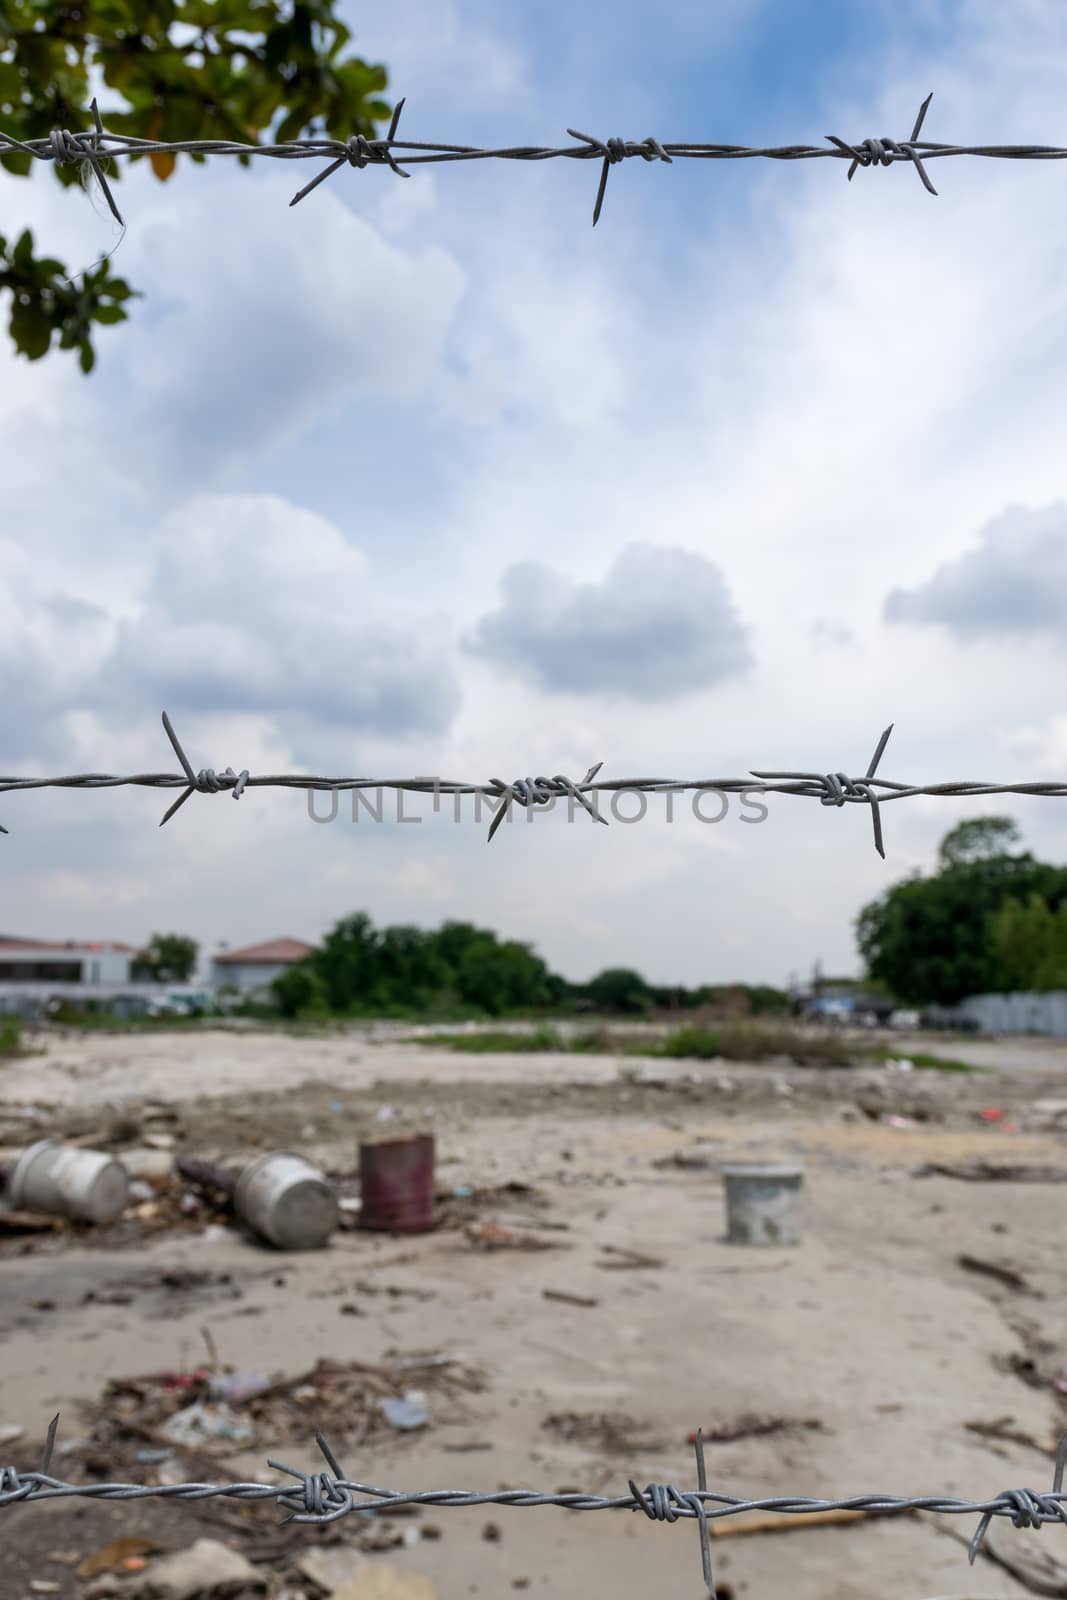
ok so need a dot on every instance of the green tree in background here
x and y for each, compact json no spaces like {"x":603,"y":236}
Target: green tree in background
{"x":1029,"y":945}
{"x":187,"y":69}
{"x":300,"y":992}
{"x":933,"y":940}
{"x":620,"y":989}
{"x":167,"y":958}
{"x":977,"y":839}
{"x":359,"y":968}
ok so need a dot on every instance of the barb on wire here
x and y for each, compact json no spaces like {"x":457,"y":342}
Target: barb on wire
{"x":829,"y":788}
{"x":358,"y":151}
{"x":322,"y":1497}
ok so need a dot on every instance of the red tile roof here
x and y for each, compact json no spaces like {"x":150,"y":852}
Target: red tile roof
{"x":271,"y":951}
{"x":9,"y":942}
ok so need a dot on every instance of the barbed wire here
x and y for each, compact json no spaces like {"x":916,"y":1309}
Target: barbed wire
{"x":322,"y":1497}
{"x":91,"y":148}
{"x":829,"y":788}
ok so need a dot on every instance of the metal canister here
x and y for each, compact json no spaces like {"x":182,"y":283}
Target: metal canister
{"x":85,"y":1185}
{"x":761,"y":1202}
{"x":286,"y":1200}
{"x":396,"y":1179}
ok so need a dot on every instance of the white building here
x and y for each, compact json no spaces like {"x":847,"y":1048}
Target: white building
{"x":253,"y":968}
{"x":37,"y":961}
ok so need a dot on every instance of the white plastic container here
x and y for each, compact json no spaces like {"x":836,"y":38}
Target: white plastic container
{"x":286,"y":1200}
{"x":85,"y":1185}
{"x":762,"y":1202}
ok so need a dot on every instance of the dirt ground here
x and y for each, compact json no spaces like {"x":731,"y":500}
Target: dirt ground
{"x":869,"y":1343}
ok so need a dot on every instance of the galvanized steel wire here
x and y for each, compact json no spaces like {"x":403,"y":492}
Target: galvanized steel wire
{"x":829,"y":788}
{"x":321,"y":1497}
{"x":96,"y":145}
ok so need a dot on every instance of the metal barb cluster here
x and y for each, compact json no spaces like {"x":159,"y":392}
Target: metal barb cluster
{"x":829,"y":788}
{"x":321,"y":1497}
{"x":64,"y":147}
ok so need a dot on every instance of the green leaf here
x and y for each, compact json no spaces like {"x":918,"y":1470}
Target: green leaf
{"x":31,"y":330}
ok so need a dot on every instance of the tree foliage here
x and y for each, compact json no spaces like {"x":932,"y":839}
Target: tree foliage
{"x":167,"y":958}
{"x":460,"y":968}
{"x":941,"y":938}
{"x":1029,"y":945}
{"x":977,"y":839}
{"x":404,"y":970}
{"x":186,"y":69}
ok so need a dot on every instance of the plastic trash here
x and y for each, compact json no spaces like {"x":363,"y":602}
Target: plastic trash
{"x":200,"y":1422}
{"x":408,"y":1412}
{"x":238,"y":1386}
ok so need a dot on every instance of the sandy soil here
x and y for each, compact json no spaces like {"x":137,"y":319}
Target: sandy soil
{"x":870,"y":1326}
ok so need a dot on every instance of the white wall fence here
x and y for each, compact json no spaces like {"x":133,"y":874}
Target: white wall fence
{"x":1042,"y":1013}
{"x":27,"y":1000}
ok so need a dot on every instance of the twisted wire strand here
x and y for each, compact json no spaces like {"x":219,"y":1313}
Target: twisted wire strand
{"x":322,"y":1497}
{"x":828,"y":788}
{"x":66,"y":148}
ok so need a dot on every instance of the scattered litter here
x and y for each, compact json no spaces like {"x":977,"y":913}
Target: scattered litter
{"x":567,"y":1298}
{"x":200,"y":1422}
{"x":685,"y":1161}
{"x":1059,"y":1382}
{"x":329,"y":1569}
{"x":1005,"y":1275}
{"x":385,"y":1114}
{"x":749,"y":1427}
{"x":1030,"y":1564}
{"x":992,"y":1114}
{"x":782,"y":1522}
{"x":624,"y":1258}
{"x":344,"y":1398}
{"x":395,"y":1291}
{"x":1004,"y":1428}
{"x":238,"y":1386}
{"x":407,"y":1411}
{"x":207,"y":1570}
{"x":894,"y":1121}
{"x":991,"y":1172}
{"x":493,"y":1236}
{"x":610,"y":1432}
{"x":113,"y":1556}
{"x":16,"y":1222}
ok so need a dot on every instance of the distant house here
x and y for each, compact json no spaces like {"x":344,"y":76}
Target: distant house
{"x":255,"y":966}
{"x":90,"y":962}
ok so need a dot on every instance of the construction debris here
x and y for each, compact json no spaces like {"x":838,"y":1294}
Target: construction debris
{"x":345,"y":1398}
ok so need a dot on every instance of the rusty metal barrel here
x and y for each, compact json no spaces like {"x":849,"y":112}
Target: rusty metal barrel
{"x":396,"y":1177}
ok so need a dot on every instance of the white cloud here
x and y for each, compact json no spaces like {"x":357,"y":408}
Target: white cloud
{"x":660,"y":626}
{"x":1013,"y":582}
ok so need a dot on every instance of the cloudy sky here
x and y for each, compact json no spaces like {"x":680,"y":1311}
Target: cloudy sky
{"x":430,"y":477}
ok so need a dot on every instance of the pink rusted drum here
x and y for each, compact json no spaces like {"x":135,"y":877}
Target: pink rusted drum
{"x":396,"y":1184}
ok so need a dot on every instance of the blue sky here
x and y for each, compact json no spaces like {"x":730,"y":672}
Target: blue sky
{"x":430,"y":476}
